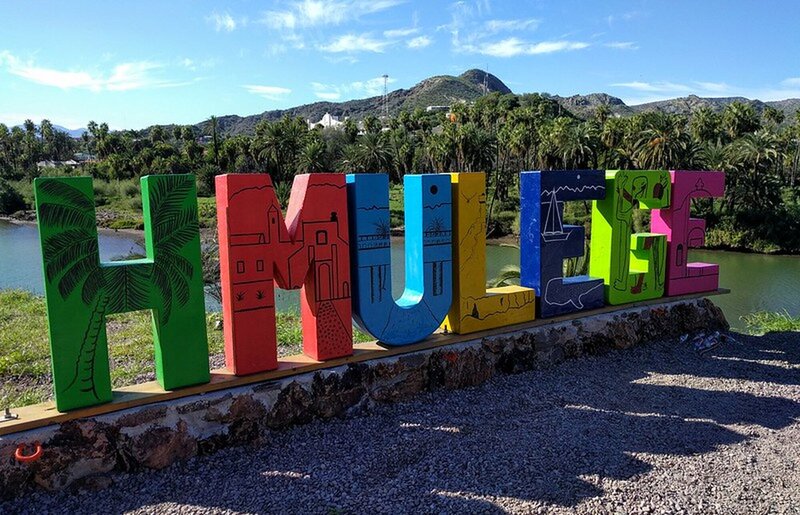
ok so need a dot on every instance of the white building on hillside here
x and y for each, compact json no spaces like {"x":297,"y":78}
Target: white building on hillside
{"x":328,"y":121}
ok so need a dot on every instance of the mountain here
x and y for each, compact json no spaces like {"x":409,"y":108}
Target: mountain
{"x":442,"y":90}
{"x":445,"y":90}
{"x":584,"y":106}
{"x":72,"y":133}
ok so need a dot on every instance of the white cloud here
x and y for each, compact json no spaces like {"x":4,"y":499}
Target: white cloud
{"x":628,"y":16}
{"x":328,"y":95}
{"x":399,"y":33}
{"x":623,"y":45}
{"x":419,"y":42}
{"x":473,"y":35}
{"x":351,"y":43}
{"x":372,"y":87}
{"x":494,"y":26}
{"x":791,"y":82}
{"x":222,"y":22}
{"x":122,"y":77}
{"x":713,"y":87}
{"x":268,"y":92}
{"x":316,"y":13}
{"x":194,"y":65}
{"x":654,"y":87}
{"x":511,"y":47}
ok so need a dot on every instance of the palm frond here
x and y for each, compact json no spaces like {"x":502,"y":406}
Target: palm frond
{"x":64,"y":249}
{"x":62,"y":215}
{"x":66,"y":194}
{"x":161,"y":279}
{"x":182,"y":231}
{"x":76,"y":274}
{"x":127,"y":287}
{"x":167,"y":195}
{"x":91,"y":287}
{"x":508,"y":275}
{"x":179,"y":264}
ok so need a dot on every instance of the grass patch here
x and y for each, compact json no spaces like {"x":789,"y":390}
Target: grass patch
{"x":25,"y":349}
{"x":396,"y":213}
{"x":763,"y":322}
{"x":207,"y":212}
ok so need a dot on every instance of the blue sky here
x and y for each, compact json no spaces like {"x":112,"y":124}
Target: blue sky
{"x":133,"y":64}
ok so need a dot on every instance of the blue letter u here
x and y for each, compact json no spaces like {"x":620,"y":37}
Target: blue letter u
{"x":429,"y":290}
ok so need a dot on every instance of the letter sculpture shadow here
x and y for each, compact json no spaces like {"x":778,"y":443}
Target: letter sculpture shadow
{"x":258,"y":249}
{"x":684,"y":232}
{"x":632,"y":266}
{"x":80,"y":290}
{"x":475,"y":308}
{"x":428,"y":246}
{"x":545,"y":241}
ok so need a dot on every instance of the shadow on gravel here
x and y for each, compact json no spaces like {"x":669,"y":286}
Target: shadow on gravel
{"x":546,"y":436}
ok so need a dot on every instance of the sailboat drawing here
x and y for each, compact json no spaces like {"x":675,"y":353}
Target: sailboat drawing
{"x":553,"y":223}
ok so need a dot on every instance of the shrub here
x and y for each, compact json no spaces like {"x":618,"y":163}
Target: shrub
{"x":10,"y":199}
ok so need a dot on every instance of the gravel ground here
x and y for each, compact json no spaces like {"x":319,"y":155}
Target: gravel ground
{"x":657,"y":428}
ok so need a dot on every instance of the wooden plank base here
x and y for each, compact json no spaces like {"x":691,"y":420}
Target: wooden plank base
{"x":41,"y":415}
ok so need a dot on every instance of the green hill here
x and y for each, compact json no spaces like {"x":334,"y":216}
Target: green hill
{"x":442,"y":90}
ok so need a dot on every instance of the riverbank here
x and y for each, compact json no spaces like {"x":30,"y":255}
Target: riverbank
{"x":125,"y":222}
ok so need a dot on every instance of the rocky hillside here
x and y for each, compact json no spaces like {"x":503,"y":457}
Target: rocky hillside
{"x":439,"y":90}
{"x":584,"y":106}
{"x":470,"y":85}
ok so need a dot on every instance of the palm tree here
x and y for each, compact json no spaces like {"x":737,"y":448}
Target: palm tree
{"x":663,"y":143}
{"x":312,"y":157}
{"x":374,"y":154}
{"x":706,"y":125}
{"x":757,"y":155}
{"x":739,"y":119}
{"x":71,"y":260}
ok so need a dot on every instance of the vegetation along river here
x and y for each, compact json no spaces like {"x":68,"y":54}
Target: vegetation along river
{"x":758,"y":282}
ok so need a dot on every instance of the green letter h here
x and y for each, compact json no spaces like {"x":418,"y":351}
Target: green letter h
{"x":80,"y":290}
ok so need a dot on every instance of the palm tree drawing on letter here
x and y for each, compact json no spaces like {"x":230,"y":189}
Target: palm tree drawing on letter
{"x":72,"y":261}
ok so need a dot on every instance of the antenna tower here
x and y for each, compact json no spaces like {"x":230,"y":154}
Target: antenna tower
{"x":385,"y":96}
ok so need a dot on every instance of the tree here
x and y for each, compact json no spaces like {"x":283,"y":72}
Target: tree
{"x":664,"y":143}
{"x":706,"y":125}
{"x":739,"y":119}
{"x":772,"y":116}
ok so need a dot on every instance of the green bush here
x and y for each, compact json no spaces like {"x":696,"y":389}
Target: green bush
{"x":503,"y":224}
{"x":207,"y":212}
{"x":11,"y":200}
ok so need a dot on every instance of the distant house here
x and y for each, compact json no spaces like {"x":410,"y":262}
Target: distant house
{"x":437,"y":108}
{"x":70,"y":163}
{"x":83,"y":157}
{"x":328,"y":121}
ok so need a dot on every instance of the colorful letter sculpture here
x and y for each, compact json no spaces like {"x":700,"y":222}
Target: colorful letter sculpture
{"x":684,"y":232}
{"x":545,"y":241}
{"x":80,"y":290}
{"x":428,"y":246}
{"x":257,"y":249}
{"x":474,"y":307}
{"x":632,"y":266}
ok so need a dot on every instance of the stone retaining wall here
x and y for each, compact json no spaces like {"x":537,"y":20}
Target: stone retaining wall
{"x":86,"y":451}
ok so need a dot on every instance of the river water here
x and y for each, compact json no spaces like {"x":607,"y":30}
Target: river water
{"x":757,"y":282}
